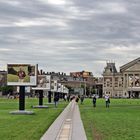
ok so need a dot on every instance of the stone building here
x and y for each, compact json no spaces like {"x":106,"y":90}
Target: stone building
{"x":125,"y":83}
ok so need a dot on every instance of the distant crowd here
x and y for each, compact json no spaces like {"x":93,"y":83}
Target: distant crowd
{"x":68,"y":98}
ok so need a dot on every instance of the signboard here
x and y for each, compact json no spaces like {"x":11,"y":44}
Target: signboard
{"x":54,"y":85}
{"x":41,"y":81}
{"x":44,"y":82}
{"x":65,"y":90}
{"x":59,"y":87}
{"x":21,"y":75}
{"x":48,"y":80}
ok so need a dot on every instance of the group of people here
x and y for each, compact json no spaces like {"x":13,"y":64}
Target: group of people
{"x":107,"y":101}
{"x":81,"y":98}
{"x":94,"y":99}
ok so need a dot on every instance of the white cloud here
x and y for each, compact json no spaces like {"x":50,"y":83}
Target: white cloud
{"x":69,"y":35}
{"x":112,"y":7}
{"x":4,"y":50}
{"x":13,"y":2}
{"x":40,"y":22}
{"x":57,"y":2}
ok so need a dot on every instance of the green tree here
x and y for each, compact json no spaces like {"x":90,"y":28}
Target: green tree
{"x":6,"y":89}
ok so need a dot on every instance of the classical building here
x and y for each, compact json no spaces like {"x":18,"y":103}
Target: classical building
{"x":125,"y":83}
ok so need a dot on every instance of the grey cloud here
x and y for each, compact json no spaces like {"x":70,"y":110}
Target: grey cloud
{"x":74,"y":36}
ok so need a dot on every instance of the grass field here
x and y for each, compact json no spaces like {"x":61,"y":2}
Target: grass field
{"x":26,"y":127}
{"x":119,"y":122}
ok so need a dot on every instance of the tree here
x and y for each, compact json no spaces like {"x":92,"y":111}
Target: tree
{"x":6,"y":89}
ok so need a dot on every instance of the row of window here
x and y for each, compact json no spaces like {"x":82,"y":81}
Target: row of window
{"x":118,"y":83}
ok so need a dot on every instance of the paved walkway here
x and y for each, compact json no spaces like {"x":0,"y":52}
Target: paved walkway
{"x":68,"y":125}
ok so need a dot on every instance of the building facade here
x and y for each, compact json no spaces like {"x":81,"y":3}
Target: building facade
{"x":125,"y":83}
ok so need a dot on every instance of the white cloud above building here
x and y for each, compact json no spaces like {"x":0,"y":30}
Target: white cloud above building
{"x":69,"y":35}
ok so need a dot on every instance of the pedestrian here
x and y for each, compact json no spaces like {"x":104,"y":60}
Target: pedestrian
{"x":77,"y":99}
{"x":65,"y":97}
{"x":68,"y":98}
{"x":56,"y":99}
{"x":107,"y":100}
{"x":82,"y":99}
{"x":72,"y":97}
{"x":94,"y":101}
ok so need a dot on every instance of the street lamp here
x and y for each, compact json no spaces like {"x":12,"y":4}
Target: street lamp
{"x":85,"y":86}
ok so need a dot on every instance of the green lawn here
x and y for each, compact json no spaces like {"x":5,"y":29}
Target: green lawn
{"x":119,"y":122}
{"x":26,"y":127}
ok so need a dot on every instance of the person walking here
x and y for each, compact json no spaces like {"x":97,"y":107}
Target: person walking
{"x":77,"y":99}
{"x":56,"y":99}
{"x":65,"y":97}
{"x":107,"y":100}
{"x":94,"y":101}
{"x":82,"y":99}
{"x":68,"y":98}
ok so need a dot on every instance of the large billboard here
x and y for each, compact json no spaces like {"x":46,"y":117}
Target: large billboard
{"x":44,"y":82}
{"x":48,"y":82}
{"x":21,"y":74}
{"x":54,"y":85}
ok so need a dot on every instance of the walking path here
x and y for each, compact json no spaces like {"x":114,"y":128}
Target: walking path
{"x":68,"y":125}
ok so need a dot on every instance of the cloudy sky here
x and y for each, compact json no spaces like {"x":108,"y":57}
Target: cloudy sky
{"x":69,"y":35}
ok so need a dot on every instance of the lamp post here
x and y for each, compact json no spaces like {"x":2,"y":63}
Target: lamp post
{"x":85,"y":86}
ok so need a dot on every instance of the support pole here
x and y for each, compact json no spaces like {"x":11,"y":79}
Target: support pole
{"x":22,"y":98}
{"x":40,"y":97}
{"x":49,"y":96}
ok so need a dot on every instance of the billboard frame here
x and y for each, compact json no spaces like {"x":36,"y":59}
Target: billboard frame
{"x":20,"y":67}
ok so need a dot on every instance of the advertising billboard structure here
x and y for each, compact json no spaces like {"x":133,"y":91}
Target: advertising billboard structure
{"x":65,"y":90}
{"x":48,"y":82}
{"x":21,"y":75}
{"x":43,"y":82}
{"x":59,"y":87}
{"x":54,"y":85}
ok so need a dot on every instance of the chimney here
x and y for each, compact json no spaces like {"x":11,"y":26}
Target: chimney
{"x":41,"y":72}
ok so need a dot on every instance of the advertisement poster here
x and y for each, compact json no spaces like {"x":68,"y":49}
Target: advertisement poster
{"x":44,"y":82}
{"x":41,"y":81}
{"x":54,"y":85}
{"x":48,"y":82}
{"x":22,"y":74}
